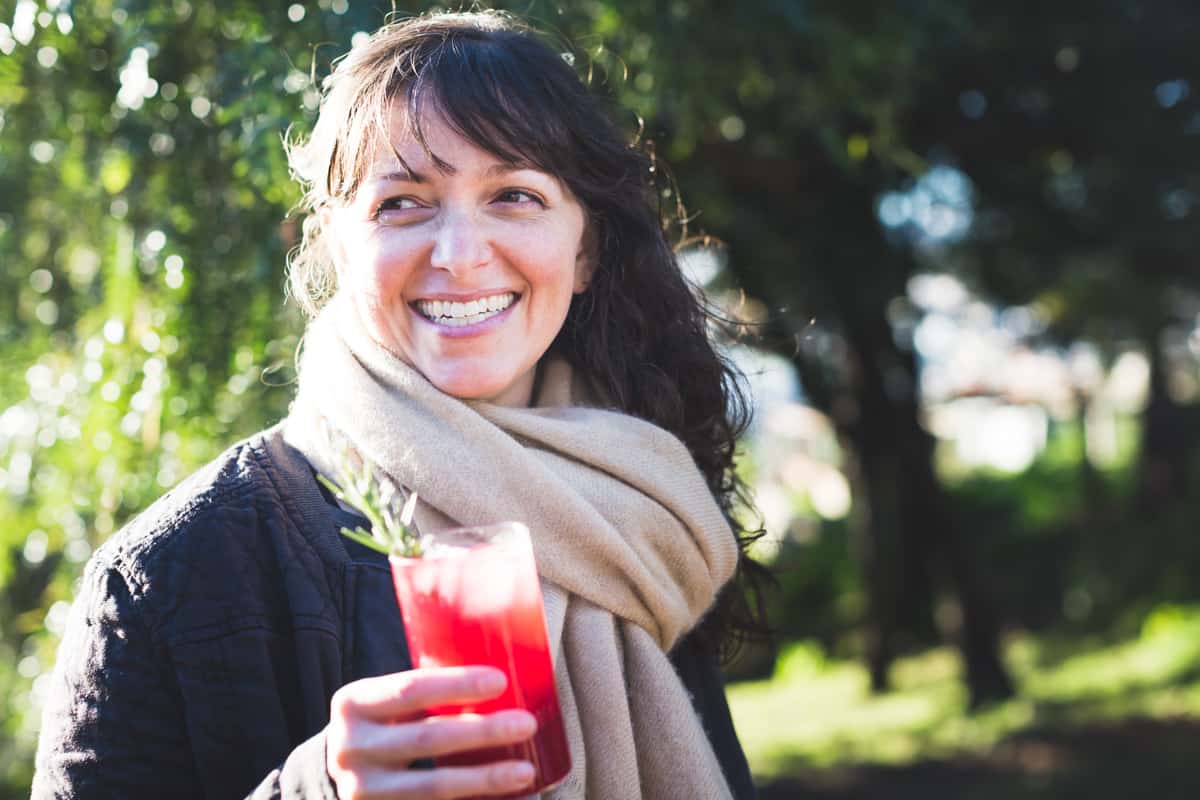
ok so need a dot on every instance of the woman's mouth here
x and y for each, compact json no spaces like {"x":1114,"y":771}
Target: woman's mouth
{"x":455,"y":314}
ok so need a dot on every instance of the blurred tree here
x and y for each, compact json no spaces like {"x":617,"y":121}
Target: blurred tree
{"x":143,"y":204}
{"x":1083,"y":154}
{"x":1048,"y":156}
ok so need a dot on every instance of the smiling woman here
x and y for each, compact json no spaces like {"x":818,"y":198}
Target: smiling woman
{"x":500,"y":327}
{"x":461,"y":265}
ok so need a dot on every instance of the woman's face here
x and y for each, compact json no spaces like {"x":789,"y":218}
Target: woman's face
{"x":465,"y":274}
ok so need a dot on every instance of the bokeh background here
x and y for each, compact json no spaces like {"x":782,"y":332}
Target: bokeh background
{"x":957,"y":245}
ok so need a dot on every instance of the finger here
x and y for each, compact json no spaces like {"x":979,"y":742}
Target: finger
{"x":443,"y":783}
{"x":401,"y":744}
{"x":404,"y":695}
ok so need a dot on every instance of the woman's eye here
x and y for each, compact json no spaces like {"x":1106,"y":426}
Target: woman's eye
{"x":398,"y":207}
{"x":518,"y":196}
{"x":399,"y":203}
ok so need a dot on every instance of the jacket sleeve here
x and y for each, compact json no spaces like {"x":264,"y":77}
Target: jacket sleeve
{"x":114,"y":724}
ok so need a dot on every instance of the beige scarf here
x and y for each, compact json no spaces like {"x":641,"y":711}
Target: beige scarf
{"x":630,"y":545}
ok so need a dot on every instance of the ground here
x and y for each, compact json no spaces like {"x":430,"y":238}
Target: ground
{"x":1095,"y":719}
{"x":1153,"y":758}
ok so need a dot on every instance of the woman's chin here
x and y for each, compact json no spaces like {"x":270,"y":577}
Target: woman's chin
{"x":478,"y":386}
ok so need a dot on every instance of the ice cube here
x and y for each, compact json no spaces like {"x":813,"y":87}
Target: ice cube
{"x":489,"y":585}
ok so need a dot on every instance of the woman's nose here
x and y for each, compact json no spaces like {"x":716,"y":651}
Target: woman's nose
{"x":460,"y":244}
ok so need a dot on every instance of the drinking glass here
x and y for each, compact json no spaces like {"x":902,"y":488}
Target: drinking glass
{"x":474,"y":598}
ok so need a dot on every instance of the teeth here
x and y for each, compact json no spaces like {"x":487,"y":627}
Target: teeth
{"x":452,"y":314}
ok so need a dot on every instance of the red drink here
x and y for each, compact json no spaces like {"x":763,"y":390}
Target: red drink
{"x":474,"y":598}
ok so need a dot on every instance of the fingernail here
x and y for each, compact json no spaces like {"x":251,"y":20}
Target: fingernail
{"x":521,"y":725}
{"x":519,"y":774}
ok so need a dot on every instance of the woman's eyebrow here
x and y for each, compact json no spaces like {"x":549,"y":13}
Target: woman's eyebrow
{"x":505,"y":168}
{"x":407,"y":176}
{"x":412,"y":176}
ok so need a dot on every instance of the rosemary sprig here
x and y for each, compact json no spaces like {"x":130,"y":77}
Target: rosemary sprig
{"x":376,"y":498}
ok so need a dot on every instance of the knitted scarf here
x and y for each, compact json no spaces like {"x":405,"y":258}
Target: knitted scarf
{"x":629,"y":543}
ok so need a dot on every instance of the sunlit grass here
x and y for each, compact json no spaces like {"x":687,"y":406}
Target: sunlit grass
{"x":819,"y":713}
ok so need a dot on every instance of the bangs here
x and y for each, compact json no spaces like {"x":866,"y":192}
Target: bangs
{"x":498,"y":99}
{"x":505,"y":95}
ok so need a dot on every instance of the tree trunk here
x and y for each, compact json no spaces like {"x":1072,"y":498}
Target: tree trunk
{"x":930,"y":518}
{"x":877,"y":541}
{"x":1163,"y":458}
{"x":1095,"y":498}
{"x":927,"y":530}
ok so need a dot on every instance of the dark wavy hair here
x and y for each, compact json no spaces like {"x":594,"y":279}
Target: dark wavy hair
{"x":639,"y":332}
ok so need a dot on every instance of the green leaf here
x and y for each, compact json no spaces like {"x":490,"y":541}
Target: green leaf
{"x":366,"y":540}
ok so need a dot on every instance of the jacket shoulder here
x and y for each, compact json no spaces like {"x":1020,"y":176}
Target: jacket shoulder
{"x":229,"y":482}
{"x":219,"y":549}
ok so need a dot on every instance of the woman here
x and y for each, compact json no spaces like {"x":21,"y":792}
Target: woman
{"x":500,"y":326}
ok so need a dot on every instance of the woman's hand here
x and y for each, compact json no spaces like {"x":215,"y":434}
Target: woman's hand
{"x":377,"y":728}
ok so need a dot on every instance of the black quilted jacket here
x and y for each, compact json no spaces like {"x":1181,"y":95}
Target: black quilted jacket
{"x":209,"y":635}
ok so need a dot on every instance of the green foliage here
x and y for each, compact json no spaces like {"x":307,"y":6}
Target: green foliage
{"x":376,"y":498}
{"x":144,"y":201}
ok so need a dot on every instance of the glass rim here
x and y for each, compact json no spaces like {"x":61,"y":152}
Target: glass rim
{"x":458,"y":542}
